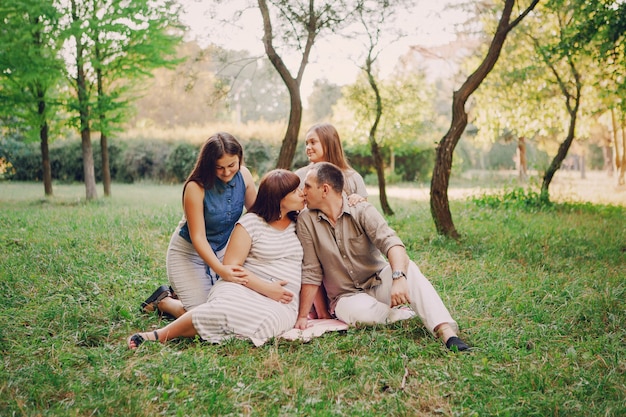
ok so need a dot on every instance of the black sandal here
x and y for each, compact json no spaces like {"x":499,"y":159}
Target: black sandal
{"x":139,"y":339}
{"x":152,"y":302}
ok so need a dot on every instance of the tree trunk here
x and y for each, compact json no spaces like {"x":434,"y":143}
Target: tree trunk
{"x":439,"y":203}
{"x":83,"y":109}
{"x":607,"y":155}
{"x":622,"y":167}
{"x":615,"y":139}
{"x":106,"y":171}
{"x":290,"y":141}
{"x":45,"y":152}
{"x":104,"y":148}
{"x":380,"y":174}
{"x":379,"y":164}
{"x":523,"y":163}
{"x":558,"y":159}
{"x":572,"y":109}
{"x":45,"y":160}
{"x":40,"y":92}
{"x":85,"y":136}
{"x":583,"y":171}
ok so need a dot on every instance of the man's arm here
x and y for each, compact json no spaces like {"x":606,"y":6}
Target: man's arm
{"x":311,"y":269}
{"x":307,"y":294}
{"x":399,"y":261}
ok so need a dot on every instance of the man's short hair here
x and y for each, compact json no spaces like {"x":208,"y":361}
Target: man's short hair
{"x":330,"y":174}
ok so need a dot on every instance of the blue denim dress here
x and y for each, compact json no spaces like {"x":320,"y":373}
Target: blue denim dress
{"x":223,"y":205}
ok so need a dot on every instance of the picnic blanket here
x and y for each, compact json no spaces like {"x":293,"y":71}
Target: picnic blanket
{"x":315,"y":328}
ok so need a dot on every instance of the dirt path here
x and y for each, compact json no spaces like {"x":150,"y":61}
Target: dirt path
{"x":566,"y":186}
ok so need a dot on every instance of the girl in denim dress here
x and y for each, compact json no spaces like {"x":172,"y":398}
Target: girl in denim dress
{"x":214,"y":195}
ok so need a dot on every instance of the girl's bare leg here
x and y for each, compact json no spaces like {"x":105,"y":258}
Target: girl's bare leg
{"x":171,"y":306}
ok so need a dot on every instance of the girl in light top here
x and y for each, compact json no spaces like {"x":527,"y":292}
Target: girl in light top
{"x":323,"y":145}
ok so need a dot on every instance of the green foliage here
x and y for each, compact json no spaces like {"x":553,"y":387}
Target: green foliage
{"x":538,"y":294}
{"x":501,"y":155}
{"x":25,"y":158}
{"x":130,"y":161}
{"x":121,"y":43}
{"x":181,"y":160}
{"x":416,"y":165}
{"x":146,"y":160}
{"x":259,"y":156}
{"x":517,"y":199}
{"x":599,"y":28}
{"x":413,"y":164}
{"x":139,"y":160}
{"x":30,"y":63}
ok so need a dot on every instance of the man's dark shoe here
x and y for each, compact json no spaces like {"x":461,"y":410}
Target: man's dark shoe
{"x":455,"y":344}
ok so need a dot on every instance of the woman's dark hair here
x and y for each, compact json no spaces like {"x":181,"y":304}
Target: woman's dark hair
{"x":205,"y":170}
{"x":274,"y":186}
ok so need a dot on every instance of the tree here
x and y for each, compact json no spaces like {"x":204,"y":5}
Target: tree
{"x":129,"y":40}
{"x":79,"y":15}
{"x":406,"y":129}
{"x":439,"y":202}
{"x":30,"y":70}
{"x":568,"y":78}
{"x":373,"y":23}
{"x":115,"y":43}
{"x":299,"y":26}
{"x":600,"y":28}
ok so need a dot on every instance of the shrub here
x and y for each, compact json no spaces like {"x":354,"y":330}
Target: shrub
{"x":66,"y":160}
{"x":24,"y":157}
{"x":517,"y":198}
{"x":416,"y":165}
{"x":146,"y":160}
{"x":259,"y":156}
{"x":181,"y":160}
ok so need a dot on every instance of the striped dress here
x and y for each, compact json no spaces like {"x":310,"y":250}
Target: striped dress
{"x":233,"y":310}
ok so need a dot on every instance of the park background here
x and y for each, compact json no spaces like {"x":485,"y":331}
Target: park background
{"x":536,"y":284}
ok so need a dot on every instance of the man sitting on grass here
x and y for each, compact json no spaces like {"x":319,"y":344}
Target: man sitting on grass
{"x":342,"y":247}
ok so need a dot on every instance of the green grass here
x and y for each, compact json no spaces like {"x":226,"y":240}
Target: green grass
{"x":539,"y":293}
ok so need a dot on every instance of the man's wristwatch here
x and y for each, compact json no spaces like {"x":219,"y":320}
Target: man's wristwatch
{"x":397,"y":275}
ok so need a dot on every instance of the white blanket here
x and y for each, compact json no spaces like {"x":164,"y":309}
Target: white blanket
{"x":315,"y":328}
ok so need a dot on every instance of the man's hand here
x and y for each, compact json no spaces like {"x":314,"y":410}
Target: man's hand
{"x":399,"y":292}
{"x":301,"y":323}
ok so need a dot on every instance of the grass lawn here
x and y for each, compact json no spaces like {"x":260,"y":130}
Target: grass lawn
{"x":539,"y":293}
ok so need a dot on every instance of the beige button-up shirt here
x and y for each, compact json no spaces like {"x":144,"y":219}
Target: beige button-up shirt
{"x":348,"y":256}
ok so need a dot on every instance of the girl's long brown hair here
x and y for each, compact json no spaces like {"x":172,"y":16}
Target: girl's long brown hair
{"x":331,"y":144}
{"x":205,"y":170}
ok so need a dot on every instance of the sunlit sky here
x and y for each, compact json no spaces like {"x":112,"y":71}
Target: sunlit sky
{"x":427,"y":23}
